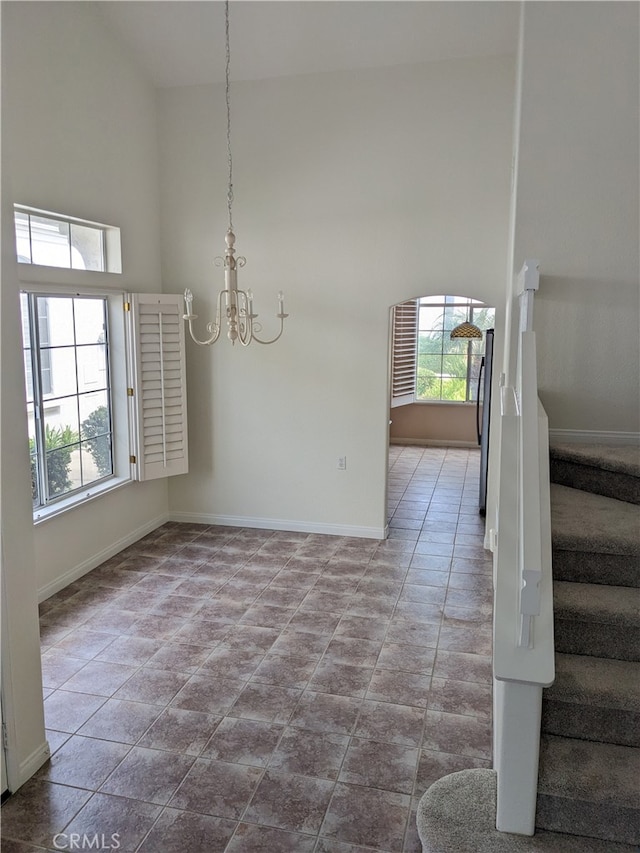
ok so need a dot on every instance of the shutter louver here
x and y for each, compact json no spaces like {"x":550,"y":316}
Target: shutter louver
{"x":404,"y":343}
{"x":160,"y":387}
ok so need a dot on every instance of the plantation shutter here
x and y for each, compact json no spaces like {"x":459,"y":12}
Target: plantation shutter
{"x":158,"y":393}
{"x":404,"y":345}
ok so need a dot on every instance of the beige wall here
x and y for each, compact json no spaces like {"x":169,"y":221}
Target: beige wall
{"x":79,"y":127}
{"x":577,"y":208}
{"x":353,"y":191}
{"x":430,"y":423}
{"x":78,"y":137}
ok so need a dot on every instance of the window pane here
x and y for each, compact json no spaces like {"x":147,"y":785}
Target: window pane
{"x":89,"y":321}
{"x":94,"y":415}
{"x":454,"y":366}
{"x":87,"y":248}
{"x":428,"y":385}
{"x":430,"y":318}
{"x":50,"y":242}
{"x":430,"y":342}
{"x":432,"y":363}
{"x":62,"y":380}
{"x":96,"y":459}
{"x":454,"y":316}
{"x":453,"y":389}
{"x":457,"y":345}
{"x":59,"y":313}
{"x":92,"y":368}
{"x":60,"y":476}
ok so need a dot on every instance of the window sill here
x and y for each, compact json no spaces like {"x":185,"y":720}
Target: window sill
{"x":46,"y":513}
{"x":446,"y":403}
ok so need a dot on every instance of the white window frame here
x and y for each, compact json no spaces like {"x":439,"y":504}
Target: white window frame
{"x":111,"y":247}
{"x":43,"y":399}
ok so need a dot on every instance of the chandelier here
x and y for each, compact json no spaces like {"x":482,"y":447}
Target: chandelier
{"x":233,"y":304}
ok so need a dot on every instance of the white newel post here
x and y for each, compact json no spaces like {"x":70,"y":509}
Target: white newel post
{"x":517,"y":709}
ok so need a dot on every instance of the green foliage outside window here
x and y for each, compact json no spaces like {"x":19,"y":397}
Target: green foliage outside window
{"x":96,"y":435}
{"x":60,"y":442}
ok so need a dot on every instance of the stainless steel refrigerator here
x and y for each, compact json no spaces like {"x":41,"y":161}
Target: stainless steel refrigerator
{"x":483,"y":422}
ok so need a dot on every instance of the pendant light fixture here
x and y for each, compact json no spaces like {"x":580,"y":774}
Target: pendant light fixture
{"x":236,"y":306}
{"x":467,"y":331}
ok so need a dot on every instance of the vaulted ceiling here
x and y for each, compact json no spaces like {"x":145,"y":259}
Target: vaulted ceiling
{"x":182,"y":43}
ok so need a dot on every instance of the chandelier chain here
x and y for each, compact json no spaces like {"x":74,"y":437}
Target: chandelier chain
{"x":228,"y":99}
{"x":233,"y":304}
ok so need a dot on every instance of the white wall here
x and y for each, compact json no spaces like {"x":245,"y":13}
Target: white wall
{"x":78,"y":137}
{"x":577,"y":208}
{"x":79,"y":126}
{"x":353,"y":191}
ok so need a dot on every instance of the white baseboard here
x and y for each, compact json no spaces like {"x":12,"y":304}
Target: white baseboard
{"x":96,"y":559}
{"x":280,"y":524}
{"x":433,"y":442}
{"x":587,"y":436}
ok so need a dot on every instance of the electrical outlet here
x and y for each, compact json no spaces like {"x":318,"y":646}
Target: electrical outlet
{"x":342,"y":463}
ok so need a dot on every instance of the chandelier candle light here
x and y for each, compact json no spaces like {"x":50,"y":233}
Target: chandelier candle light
{"x":236,"y":305}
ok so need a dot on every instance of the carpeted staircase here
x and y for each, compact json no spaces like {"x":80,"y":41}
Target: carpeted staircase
{"x":589,"y":778}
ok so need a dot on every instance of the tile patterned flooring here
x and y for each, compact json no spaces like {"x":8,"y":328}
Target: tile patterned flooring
{"x":224,"y":689}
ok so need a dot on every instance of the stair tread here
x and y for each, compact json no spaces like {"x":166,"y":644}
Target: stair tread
{"x":623,"y":459}
{"x":589,"y":771}
{"x":611,"y":605}
{"x":583,"y":521}
{"x":592,"y":681}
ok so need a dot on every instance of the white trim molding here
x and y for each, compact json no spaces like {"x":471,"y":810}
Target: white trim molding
{"x":433,"y":442}
{"x":587,"y":436}
{"x":280,"y":524}
{"x":97,"y":559}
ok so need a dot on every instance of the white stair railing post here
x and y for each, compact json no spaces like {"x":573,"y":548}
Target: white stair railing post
{"x":523,"y":662}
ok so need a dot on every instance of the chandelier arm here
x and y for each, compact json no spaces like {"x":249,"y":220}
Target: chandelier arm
{"x":214,"y":327}
{"x":278,"y":336}
{"x":245,"y":326}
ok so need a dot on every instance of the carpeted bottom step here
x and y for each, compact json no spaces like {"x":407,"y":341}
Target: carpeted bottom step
{"x":610,"y":470}
{"x":457,"y":814}
{"x":594,"y":699}
{"x":595,"y":539}
{"x":593,"y":619}
{"x":589,"y":788}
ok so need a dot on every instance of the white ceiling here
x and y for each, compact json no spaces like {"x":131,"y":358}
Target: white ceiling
{"x":182,"y":43}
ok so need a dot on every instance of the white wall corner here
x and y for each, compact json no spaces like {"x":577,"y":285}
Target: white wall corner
{"x":95,"y":560}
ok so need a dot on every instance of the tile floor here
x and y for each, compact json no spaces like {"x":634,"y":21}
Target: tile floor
{"x":240,"y":690}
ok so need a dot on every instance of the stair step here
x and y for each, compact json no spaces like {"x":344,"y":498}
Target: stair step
{"x":598,"y":620}
{"x":594,"y":699}
{"x":589,"y":788}
{"x":611,"y":470}
{"x":595,"y":539}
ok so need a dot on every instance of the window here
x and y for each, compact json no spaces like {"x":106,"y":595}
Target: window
{"x":426,"y":365}
{"x":66,"y":357}
{"x":449,"y":369}
{"x":53,"y":240}
{"x":104,"y":370}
